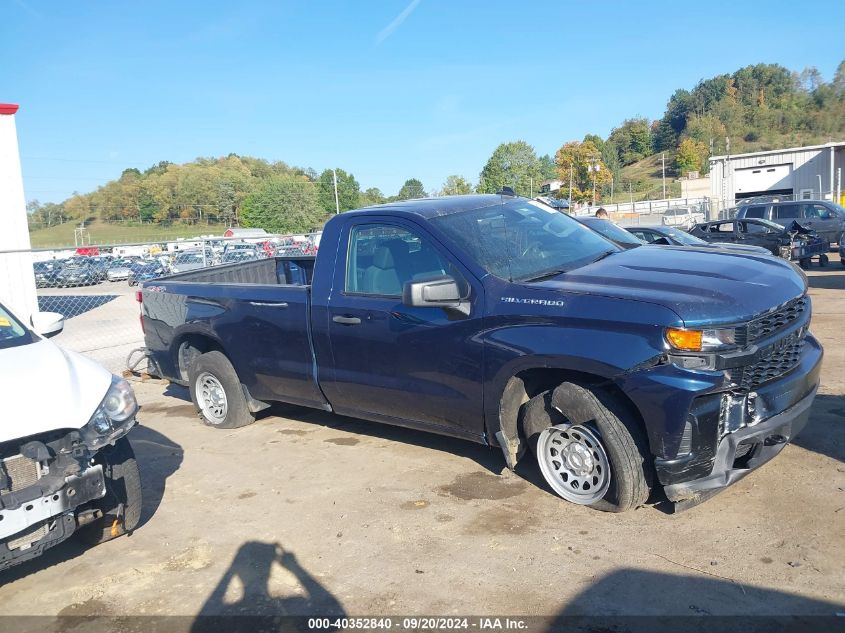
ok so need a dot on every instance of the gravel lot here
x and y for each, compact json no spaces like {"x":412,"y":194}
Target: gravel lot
{"x":307,"y":512}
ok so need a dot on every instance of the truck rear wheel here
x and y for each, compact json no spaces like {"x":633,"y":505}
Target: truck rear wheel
{"x":589,"y":450}
{"x":217,"y":392}
{"x":121,"y":505}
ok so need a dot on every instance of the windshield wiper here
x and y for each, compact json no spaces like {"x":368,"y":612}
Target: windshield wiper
{"x":544,"y":275}
{"x":602,"y":256}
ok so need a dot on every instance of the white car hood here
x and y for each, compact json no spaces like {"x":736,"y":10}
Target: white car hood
{"x":44,"y":387}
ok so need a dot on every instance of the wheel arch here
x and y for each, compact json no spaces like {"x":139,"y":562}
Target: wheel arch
{"x":188,"y":346}
{"x":531,"y":381}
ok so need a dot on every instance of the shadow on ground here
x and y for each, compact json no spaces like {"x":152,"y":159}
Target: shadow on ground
{"x":835,"y":281}
{"x":825,"y":433}
{"x":72,"y":305}
{"x":244,"y":590}
{"x":489,"y":458}
{"x":158,"y":457}
{"x":638,"y":600}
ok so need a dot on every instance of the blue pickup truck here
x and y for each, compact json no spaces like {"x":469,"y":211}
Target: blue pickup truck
{"x":497,"y":320}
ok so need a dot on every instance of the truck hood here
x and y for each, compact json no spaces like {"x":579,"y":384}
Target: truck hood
{"x":44,"y":388}
{"x":700,"y":285}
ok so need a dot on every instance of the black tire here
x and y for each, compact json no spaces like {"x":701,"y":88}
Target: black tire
{"x":237,"y":413}
{"x":121,"y":506}
{"x":842,"y":261}
{"x":823,"y":260}
{"x":804,"y":263}
{"x":623,"y":440}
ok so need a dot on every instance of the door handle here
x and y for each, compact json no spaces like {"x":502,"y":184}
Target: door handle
{"x":346,"y":320}
{"x":271,"y":304}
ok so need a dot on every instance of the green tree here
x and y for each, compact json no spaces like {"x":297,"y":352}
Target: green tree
{"x":456,"y":186}
{"x":690,"y":156}
{"x":512,"y":165}
{"x":348,"y":191}
{"x":632,"y":140}
{"x":412,"y":188}
{"x":283,"y":203}
{"x":370,"y":197}
{"x":583,"y":162}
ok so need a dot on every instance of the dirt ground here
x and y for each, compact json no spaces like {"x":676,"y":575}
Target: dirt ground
{"x":308,"y":512}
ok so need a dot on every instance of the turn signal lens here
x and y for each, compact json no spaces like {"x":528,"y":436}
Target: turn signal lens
{"x":689,"y":340}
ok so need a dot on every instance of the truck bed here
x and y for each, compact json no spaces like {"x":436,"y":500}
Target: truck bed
{"x":257,"y":312}
{"x":288,"y":271}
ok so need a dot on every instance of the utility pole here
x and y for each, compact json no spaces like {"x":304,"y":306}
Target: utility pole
{"x":571,"y":163}
{"x":838,"y":186}
{"x":631,"y":193}
{"x":531,"y":187}
{"x":611,"y":188}
{"x":663,"y":161}
{"x":336,"y":200}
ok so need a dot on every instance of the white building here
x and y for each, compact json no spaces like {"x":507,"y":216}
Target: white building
{"x":17,"y":281}
{"x":812,"y":172}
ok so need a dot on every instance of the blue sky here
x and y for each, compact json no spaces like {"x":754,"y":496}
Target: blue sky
{"x":387,"y":90}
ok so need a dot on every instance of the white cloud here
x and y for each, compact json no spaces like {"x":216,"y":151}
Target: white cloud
{"x":397,"y":22}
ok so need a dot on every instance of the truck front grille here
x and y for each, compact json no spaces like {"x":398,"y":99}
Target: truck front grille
{"x":776,"y":320}
{"x":775,"y":360}
{"x":19,"y":472}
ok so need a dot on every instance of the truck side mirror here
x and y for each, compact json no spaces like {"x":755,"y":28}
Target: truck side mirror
{"x":47,"y":324}
{"x":435,"y":292}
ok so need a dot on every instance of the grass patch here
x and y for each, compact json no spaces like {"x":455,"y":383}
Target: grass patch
{"x":62,"y":235}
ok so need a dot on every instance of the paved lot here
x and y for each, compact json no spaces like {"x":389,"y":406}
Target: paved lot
{"x":101,"y":321}
{"x":307,"y":512}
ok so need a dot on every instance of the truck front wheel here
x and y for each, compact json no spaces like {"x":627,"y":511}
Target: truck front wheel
{"x":217,"y":392}
{"x":589,"y":449}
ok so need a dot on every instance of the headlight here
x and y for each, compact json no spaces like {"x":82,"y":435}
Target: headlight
{"x":113,"y":418}
{"x":700,"y":340}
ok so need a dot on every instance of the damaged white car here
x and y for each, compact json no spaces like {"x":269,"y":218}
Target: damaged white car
{"x":66,"y":465}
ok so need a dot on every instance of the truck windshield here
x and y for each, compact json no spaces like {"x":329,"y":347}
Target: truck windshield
{"x":682,"y":237}
{"x":12,"y":332}
{"x":521,"y":241}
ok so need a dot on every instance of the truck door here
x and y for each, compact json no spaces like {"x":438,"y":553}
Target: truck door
{"x":398,"y":363}
{"x":825,"y":223}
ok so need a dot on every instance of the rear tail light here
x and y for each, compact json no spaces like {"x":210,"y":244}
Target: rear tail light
{"x":140,"y":299}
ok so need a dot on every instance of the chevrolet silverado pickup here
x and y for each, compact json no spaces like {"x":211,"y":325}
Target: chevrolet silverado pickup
{"x":497,"y":320}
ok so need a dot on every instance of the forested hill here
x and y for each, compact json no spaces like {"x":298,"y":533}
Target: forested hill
{"x":763,"y":106}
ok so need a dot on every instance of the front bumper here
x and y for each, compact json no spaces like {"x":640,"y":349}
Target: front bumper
{"x":732,"y":434}
{"x":78,"y":490}
{"x":40,"y":523}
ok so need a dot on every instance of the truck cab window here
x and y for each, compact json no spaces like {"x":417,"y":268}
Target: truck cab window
{"x":381,"y":258}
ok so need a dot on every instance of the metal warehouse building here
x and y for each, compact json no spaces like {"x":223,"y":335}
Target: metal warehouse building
{"x":812,"y":172}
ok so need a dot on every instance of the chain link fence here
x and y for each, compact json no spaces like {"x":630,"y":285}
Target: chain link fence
{"x":94,"y":286}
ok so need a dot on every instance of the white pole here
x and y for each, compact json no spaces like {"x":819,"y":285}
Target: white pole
{"x":17,"y":283}
{"x":821,"y":195}
{"x":336,"y":199}
{"x":663,"y":161}
{"x":611,"y":190}
{"x":838,"y":186}
{"x":571,"y":163}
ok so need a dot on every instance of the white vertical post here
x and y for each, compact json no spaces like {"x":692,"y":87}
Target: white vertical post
{"x":336,"y":200}
{"x":838,"y":186}
{"x":17,"y":279}
{"x":663,"y":162}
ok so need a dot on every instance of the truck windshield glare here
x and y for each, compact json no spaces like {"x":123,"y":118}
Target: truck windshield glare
{"x":518,"y":241}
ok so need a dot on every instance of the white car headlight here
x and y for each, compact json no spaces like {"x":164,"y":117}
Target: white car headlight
{"x":113,"y":418}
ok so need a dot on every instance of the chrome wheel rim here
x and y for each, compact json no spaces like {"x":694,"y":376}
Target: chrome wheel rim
{"x":211,"y":398}
{"x":574,"y":462}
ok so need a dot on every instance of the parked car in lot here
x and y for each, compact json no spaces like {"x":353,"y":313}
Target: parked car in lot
{"x":611,"y":231}
{"x":119,"y":269}
{"x":77,"y":271}
{"x":825,"y":218}
{"x":240,"y":255}
{"x":492,"y":319}
{"x":46,"y":273}
{"x":69,"y":468}
{"x":190,"y":260}
{"x":145,"y":270}
{"x":684,"y":217}
{"x":793,"y":243}
{"x":670,"y":235}
{"x":100,"y":264}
